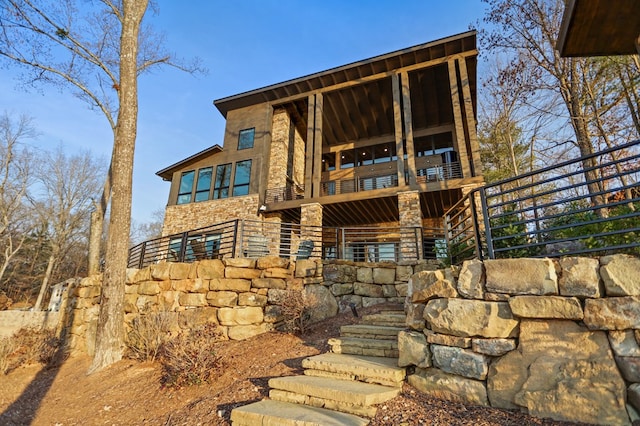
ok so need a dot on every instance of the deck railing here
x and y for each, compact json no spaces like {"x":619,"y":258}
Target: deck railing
{"x":554,"y":211}
{"x":253,"y":239}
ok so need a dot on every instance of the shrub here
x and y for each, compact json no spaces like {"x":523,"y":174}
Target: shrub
{"x":296,"y":306}
{"x":30,"y":346}
{"x":190,"y":358}
{"x":147,"y":335}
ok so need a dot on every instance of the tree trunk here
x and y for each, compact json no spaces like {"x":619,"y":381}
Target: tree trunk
{"x":45,"y":282}
{"x":110,"y":331}
{"x":95,"y":239}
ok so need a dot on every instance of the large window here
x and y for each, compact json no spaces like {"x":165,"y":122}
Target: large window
{"x":245,"y":140}
{"x":242,"y":178}
{"x":221,"y":186}
{"x":186,"y":187}
{"x":204,"y":184}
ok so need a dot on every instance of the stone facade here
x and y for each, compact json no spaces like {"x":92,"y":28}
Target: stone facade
{"x":541,"y":336}
{"x":184,"y":217}
{"x":243,"y":296}
{"x":410,"y":215}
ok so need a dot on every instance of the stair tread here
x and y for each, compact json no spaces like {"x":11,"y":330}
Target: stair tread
{"x":276,"y":413}
{"x":346,"y":391}
{"x":359,"y":365}
{"x":364,"y":342}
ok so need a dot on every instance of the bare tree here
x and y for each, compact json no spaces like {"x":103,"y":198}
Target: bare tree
{"x":15,"y":179}
{"x":148,"y":230}
{"x":69,"y":184}
{"x":98,"y":49}
{"x":529,"y":29}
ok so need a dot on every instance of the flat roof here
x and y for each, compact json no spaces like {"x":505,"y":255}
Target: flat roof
{"x":379,"y":64}
{"x":599,"y":28}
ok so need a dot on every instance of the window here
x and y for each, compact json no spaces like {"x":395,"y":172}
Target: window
{"x":186,"y":186}
{"x":347,"y":159}
{"x":221,"y":186}
{"x":242,"y":178}
{"x":365,"y":156}
{"x":204,"y":184}
{"x":245,"y":140}
{"x":329,"y":162}
{"x":384,"y":153}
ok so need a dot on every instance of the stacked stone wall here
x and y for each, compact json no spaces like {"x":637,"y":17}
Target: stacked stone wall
{"x":553,"y":338}
{"x":242,"y":296}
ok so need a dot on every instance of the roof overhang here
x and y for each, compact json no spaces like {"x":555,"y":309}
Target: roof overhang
{"x":599,"y":28}
{"x":167,"y":172}
{"x":464,"y":42}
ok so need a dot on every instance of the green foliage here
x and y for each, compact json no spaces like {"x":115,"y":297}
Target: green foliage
{"x":579,"y":225}
{"x":507,"y":233}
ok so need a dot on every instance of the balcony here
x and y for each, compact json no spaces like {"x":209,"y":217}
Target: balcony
{"x":358,"y":184}
{"x":287,"y":193}
{"x":439,"y":173}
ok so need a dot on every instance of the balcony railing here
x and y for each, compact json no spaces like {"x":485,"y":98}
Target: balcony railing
{"x":439,"y":172}
{"x":358,"y":184}
{"x":253,"y":239}
{"x":287,"y":193}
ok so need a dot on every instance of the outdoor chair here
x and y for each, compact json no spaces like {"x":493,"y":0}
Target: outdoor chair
{"x":199,"y":249}
{"x":304,"y":249}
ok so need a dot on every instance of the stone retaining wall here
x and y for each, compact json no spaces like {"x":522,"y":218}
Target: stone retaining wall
{"x":556,"y":339}
{"x":241,"y":295}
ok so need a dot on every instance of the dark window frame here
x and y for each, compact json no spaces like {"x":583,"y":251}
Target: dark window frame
{"x":200,"y":190}
{"x":222,"y":182}
{"x":184,"y":196}
{"x":243,"y":187}
{"x":246,"y":138}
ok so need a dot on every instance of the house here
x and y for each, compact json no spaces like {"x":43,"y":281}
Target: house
{"x":385,"y":143}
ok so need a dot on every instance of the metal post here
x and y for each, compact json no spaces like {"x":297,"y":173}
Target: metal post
{"x":235,"y":234}
{"x":183,"y":247}
{"x":344,"y":249}
{"x":142,"y":253}
{"x":487,"y":225}
{"x":241,"y":238}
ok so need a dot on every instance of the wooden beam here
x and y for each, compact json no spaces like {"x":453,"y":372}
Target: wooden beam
{"x":408,"y":127}
{"x":471,"y":120}
{"x":397,"y":120}
{"x":317,"y":146}
{"x":459,"y":137}
{"x":308,"y":161}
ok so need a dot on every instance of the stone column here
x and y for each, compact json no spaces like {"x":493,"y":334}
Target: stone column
{"x":311,"y":227}
{"x":410,"y":216}
{"x":278,"y":156}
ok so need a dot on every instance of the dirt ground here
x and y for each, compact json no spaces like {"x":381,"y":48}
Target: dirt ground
{"x":130,"y":393}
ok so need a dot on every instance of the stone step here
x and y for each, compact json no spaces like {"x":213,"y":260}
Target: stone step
{"x":391,"y":319}
{"x":277,"y":413}
{"x":342,"y":395}
{"x":366,"y":331}
{"x":368,"y":369}
{"x":368,"y":347}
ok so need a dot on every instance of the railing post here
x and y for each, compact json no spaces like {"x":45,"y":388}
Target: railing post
{"x":344,"y":249}
{"x":241,"y":237}
{"x":235,"y":235}
{"x":183,"y":247}
{"x":142,"y":254}
{"x":487,"y":226}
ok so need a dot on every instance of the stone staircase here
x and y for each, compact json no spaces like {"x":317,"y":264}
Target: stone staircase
{"x":341,"y":387}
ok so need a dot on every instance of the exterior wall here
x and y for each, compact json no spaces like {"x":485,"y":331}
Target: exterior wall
{"x":554,"y":338}
{"x":242,"y":296}
{"x":183,"y":217}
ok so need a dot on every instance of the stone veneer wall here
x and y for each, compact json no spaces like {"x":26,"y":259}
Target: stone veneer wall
{"x":184,"y":217}
{"x":241,"y":295}
{"x":556,"y":339}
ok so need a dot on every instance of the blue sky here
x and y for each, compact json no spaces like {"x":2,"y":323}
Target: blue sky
{"x":245,"y":45}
